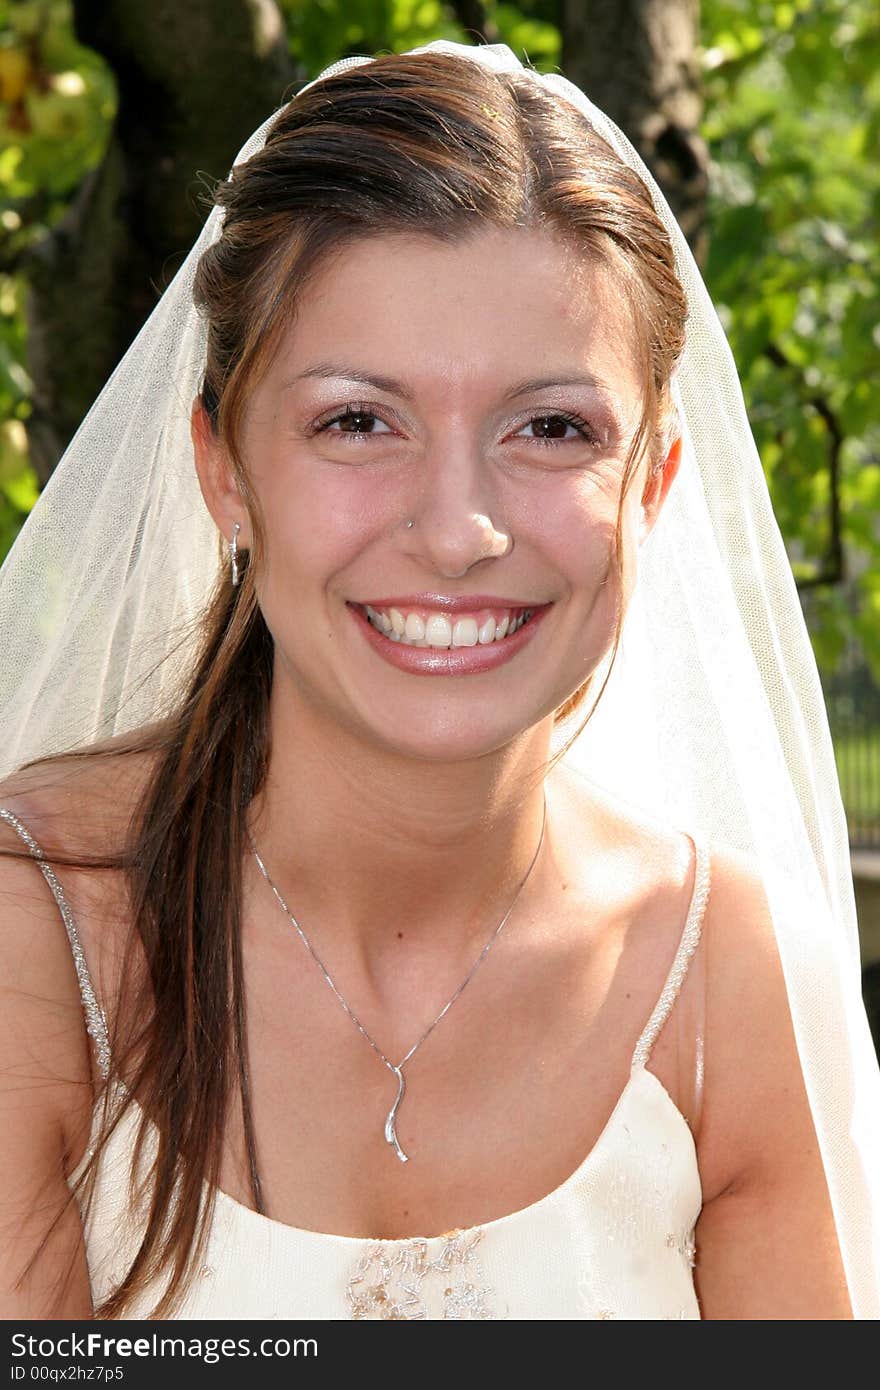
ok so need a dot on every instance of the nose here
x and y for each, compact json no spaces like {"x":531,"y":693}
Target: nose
{"x":456,"y":518}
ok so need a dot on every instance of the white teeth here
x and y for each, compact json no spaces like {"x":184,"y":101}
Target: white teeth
{"x":464,"y":634}
{"x":438,"y":630}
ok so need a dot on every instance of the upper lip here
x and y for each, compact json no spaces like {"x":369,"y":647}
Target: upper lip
{"x":443,"y":603}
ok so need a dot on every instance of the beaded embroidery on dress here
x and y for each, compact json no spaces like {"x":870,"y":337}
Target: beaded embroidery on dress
{"x":614,"y":1241}
{"x":401,"y":1279}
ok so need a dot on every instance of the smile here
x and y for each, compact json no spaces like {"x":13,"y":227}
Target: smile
{"x":430,"y":642}
{"x":421,"y":628}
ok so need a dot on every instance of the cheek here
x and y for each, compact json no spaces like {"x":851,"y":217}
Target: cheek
{"x":575,"y":527}
{"x":585,"y":548}
{"x":316,"y":518}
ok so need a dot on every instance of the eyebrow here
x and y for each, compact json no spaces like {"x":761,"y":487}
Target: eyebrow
{"x":398,"y":388}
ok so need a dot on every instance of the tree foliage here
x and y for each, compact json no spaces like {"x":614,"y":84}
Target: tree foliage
{"x":57,"y":101}
{"x":792,"y":120}
{"x":792,"y":115}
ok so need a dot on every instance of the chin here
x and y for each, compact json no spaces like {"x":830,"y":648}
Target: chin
{"x":450,"y":737}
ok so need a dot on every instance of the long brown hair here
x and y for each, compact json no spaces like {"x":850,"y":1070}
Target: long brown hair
{"x":429,"y":143}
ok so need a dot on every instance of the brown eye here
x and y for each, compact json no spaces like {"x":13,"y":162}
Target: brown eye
{"x":552,"y":429}
{"x":355,"y":421}
{"x":551,"y":426}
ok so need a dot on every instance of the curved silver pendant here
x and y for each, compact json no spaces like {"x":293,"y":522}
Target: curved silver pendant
{"x":390,"y":1132}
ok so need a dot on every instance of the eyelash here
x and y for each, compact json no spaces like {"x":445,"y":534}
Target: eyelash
{"x":588,"y":435}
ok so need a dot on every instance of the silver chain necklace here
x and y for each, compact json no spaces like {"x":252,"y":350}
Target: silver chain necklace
{"x":397,"y":1071}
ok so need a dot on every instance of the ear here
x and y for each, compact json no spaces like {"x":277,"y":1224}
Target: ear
{"x":216,"y":477}
{"x":657,"y":489}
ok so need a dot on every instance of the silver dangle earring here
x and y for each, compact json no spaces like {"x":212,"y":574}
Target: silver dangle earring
{"x":233,"y":555}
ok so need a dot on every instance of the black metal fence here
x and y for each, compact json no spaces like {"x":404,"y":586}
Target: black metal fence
{"x":852,"y":697}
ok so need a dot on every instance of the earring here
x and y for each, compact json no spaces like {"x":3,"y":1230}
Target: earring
{"x":233,"y":555}
{"x":409,"y":524}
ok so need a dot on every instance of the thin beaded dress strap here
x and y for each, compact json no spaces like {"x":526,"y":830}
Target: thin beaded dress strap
{"x":690,"y":939}
{"x":96,"y":1021}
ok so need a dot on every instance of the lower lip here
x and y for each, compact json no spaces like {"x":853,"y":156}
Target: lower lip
{"x":448,"y":661}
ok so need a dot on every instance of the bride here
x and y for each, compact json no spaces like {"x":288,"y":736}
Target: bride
{"x":411,"y":987}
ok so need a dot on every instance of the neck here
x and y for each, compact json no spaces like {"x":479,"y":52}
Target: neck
{"x":374,"y":847}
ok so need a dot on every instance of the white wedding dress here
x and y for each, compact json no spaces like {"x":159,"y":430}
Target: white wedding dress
{"x":614,"y":1240}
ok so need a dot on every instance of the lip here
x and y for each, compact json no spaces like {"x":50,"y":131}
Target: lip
{"x":449,"y":661}
{"x":442,"y":603}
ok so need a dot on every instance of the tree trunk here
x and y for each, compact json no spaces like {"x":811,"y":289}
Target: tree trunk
{"x":194,"y":79}
{"x":636,"y":59}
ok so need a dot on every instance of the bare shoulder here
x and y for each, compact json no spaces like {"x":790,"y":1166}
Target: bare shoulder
{"x":74,"y":809}
{"x":81,"y":804}
{"x":754,"y":1094}
{"x":45,"y":1102}
{"x":750,"y":1053}
{"x":47,"y":1078}
{"x":630,"y":879}
{"x":766,"y":1241}
{"x":652,"y":862}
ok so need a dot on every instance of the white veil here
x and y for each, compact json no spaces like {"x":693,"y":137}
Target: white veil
{"x":713,"y":717}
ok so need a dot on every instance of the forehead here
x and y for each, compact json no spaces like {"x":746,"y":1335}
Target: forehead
{"x":494,"y":306}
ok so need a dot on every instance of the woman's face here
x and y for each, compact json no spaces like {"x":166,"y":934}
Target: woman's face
{"x":486,"y":391}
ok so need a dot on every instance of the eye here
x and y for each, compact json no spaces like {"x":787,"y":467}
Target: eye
{"x":355,"y":420}
{"x":553,"y":429}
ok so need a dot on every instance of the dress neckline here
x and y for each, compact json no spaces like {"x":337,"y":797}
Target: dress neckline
{"x":639,"y":1076}
{"x":639,"y":1070}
